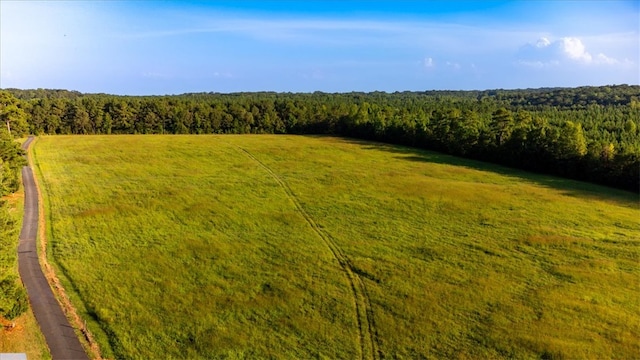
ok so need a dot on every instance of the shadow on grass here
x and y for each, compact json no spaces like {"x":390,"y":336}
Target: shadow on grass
{"x":566,"y":186}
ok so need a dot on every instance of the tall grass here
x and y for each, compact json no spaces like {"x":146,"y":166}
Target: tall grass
{"x":187,"y":247}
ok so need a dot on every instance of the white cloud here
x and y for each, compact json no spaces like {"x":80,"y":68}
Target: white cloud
{"x":561,"y":51}
{"x":574,"y":49}
{"x":429,"y":63}
{"x":453,"y":65}
{"x":543,"y":42}
{"x":604,"y":59}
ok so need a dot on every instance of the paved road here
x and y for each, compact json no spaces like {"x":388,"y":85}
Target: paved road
{"x":62,"y":340}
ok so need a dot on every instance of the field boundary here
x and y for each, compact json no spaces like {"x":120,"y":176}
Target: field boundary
{"x":69,"y":310}
{"x":368,"y":334}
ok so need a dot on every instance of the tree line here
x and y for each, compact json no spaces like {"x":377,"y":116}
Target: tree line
{"x":586,"y":133}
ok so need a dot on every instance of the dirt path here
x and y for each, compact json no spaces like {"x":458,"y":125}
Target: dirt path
{"x":60,"y":336}
{"x":368,"y":337}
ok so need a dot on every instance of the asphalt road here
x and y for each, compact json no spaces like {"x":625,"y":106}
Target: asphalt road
{"x":62,"y":340}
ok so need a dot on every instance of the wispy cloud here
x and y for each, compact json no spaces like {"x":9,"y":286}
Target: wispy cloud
{"x":155,"y":75}
{"x":337,"y":32}
{"x":453,"y":65}
{"x":429,"y":63}
{"x":222,"y":74}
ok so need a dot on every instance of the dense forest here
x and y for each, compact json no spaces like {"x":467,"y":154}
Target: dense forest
{"x":586,"y":133}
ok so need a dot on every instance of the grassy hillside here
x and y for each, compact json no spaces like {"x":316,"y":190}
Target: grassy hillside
{"x":300,"y":247}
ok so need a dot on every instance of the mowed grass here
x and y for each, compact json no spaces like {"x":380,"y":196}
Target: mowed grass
{"x":187,"y":247}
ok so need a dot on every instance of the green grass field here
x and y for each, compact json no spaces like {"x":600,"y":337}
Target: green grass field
{"x":317,"y":247}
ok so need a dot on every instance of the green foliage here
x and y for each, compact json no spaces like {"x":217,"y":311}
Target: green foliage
{"x":11,"y":161}
{"x":13,"y":298}
{"x":494,"y":125}
{"x":187,"y":247}
{"x":631,"y":127}
{"x":501,"y":125}
{"x":13,"y":301}
{"x":571,"y":143}
{"x":12,"y":116}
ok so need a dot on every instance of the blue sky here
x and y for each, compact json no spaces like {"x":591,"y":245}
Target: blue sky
{"x":171,"y":47}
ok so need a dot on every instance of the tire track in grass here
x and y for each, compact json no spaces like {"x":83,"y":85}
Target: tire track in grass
{"x":368,"y":334}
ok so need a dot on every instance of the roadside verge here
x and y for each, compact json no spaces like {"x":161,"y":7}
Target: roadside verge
{"x":58,"y":332}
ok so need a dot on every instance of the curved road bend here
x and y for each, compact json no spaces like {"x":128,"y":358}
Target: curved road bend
{"x":62,"y":340}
